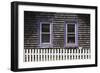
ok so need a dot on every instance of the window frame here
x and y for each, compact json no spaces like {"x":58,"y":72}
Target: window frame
{"x":49,"y":43}
{"x":76,"y":35}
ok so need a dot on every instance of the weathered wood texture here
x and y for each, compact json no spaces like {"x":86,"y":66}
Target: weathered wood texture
{"x":32,"y":28}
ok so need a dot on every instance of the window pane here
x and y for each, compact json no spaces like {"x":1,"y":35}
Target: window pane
{"x":45,"y":27}
{"x":71,"y":38}
{"x":71,"y":28}
{"x":45,"y":38}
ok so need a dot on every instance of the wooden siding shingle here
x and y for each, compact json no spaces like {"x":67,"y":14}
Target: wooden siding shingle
{"x":32,"y":27}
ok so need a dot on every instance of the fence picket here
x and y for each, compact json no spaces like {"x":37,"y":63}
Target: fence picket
{"x":37,"y":55}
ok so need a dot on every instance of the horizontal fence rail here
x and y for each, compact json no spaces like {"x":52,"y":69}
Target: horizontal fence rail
{"x":36,"y":55}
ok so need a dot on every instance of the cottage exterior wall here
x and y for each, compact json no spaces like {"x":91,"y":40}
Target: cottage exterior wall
{"x":32,"y":28}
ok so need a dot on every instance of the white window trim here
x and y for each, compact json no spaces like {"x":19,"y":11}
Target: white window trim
{"x":50,"y":43}
{"x":76,"y":36}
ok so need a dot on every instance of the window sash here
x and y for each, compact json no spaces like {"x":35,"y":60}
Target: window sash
{"x":45,"y":38}
{"x":73,"y":35}
{"x":45,"y":33}
{"x":45,"y":27}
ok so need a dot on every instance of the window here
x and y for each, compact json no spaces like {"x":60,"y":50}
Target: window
{"x":45,"y":34}
{"x":71,"y":35}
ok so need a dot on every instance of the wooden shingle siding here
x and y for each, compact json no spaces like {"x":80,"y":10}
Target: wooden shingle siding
{"x":84,"y":30}
{"x":30,"y":31}
{"x":32,"y":28}
{"x":58,"y":30}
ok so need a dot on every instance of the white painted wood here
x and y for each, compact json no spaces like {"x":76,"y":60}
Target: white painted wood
{"x":55,"y":54}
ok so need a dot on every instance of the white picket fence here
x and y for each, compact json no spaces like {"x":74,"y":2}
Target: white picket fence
{"x":36,"y":55}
